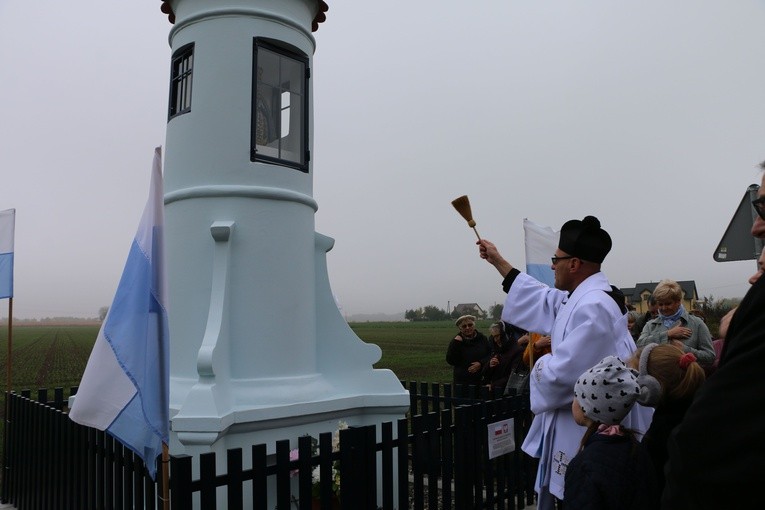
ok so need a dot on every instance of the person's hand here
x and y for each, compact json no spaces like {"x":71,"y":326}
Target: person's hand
{"x":679,"y":333}
{"x":474,"y":367}
{"x":524,"y":340}
{"x":487,"y":250}
{"x":543,"y":342}
{"x":458,"y":338}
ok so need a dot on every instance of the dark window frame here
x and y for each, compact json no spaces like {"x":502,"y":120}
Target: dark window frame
{"x":181,"y":79}
{"x":303,"y":165}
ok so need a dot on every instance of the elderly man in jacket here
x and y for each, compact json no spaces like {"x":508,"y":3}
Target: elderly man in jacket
{"x":586,"y":319}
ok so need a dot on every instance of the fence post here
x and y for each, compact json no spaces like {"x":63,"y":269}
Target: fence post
{"x":436,"y":393}
{"x":412,"y":398}
{"x":419,"y":456}
{"x":326,"y":462}
{"x":305,"y":471}
{"x":358,"y":466}
{"x":424,"y":405}
{"x":447,"y":447}
{"x":259,"y":485}
{"x":403,"y":463}
{"x":349,"y":498}
{"x":9,"y":465}
{"x":461,"y":470}
{"x":207,"y":492}
{"x":39,"y":456}
{"x":283,"y":475}
{"x":180,"y":482}
{"x":433,"y":457}
{"x":58,"y":398}
{"x":448,"y":396}
{"x":118,"y":467}
{"x":386,"y":438}
{"x":479,"y":456}
{"x":369,"y":436}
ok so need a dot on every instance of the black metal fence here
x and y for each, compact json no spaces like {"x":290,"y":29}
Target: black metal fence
{"x":436,"y":458}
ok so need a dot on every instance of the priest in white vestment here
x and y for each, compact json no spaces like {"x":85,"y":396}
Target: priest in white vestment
{"x":586,"y":318}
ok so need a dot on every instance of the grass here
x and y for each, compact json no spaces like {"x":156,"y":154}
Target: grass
{"x":47,"y":356}
{"x":55,"y":356}
{"x":414,"y":351}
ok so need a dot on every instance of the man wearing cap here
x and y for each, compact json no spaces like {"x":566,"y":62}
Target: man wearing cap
{"x":468,"y":352}
{"x":586,"y":319}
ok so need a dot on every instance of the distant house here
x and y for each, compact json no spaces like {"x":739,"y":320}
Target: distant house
{"x":637,"y":296}
{"x":469,"y":309}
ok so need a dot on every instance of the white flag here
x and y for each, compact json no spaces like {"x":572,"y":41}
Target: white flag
{"x":125,"y":387}
{"x":7,"y":228}
{"x":541,"y":243}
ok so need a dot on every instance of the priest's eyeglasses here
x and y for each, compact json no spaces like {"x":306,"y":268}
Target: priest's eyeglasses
{"x":759,"y":206}
{"x":556,"y":259}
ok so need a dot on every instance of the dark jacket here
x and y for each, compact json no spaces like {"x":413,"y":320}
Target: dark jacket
{"x":640,"y":323}
{"x":715,"y":454}
{"x":461,"y":354}
{"x":667,"y":416}
{"x":611,"y":473}
{"x":508,"y":353}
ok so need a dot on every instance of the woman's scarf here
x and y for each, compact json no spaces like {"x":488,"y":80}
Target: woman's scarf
{"x":668,"y":320}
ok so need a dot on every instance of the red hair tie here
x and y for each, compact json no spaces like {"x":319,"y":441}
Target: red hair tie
{"x":686,"y":359}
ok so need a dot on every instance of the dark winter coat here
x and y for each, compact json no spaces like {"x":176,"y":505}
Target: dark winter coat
{"x":667,"y":416}
{"x":715,"y":454}
{"x":508,"y":353}
{"x":611,"y":473}
{"x":460,"y":354}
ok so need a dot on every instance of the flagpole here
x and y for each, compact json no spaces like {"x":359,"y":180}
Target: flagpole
{"x":165,"y":477}
{"x":8,"y":373}
{"x":7,"y":407}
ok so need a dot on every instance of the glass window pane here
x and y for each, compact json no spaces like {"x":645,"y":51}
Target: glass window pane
{"x":268,"y":67}
{"x":285,"y":119}
{"x":266,"y":116}
{"x":292,"y":75}
{"x":292,"y":145}
{"x":186,"y":93}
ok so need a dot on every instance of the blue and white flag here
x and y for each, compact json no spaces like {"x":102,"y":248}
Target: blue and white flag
{"x":125,"y":387}
{"x":7,"y":227}
{"x":541,"y":243}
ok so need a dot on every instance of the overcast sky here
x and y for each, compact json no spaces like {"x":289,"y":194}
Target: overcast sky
{"x":649,"y":115}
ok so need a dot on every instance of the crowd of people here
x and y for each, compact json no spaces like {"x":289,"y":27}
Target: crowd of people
{"x":625,"y":404}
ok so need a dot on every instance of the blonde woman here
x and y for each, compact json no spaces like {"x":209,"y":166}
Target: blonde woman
{"x":675,"y":326}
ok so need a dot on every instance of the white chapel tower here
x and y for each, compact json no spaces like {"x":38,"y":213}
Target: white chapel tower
{"x":258,"y":350}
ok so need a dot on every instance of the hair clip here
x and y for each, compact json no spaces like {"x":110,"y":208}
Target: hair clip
{"x":686,"y":359}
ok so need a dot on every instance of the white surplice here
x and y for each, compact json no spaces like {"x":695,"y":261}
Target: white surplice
{"x":585,"y":327}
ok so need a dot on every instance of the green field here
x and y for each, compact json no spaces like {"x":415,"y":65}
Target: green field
{"x":47,"y":356}
{"x":55,"y":356}
{"x":415,"y":351}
